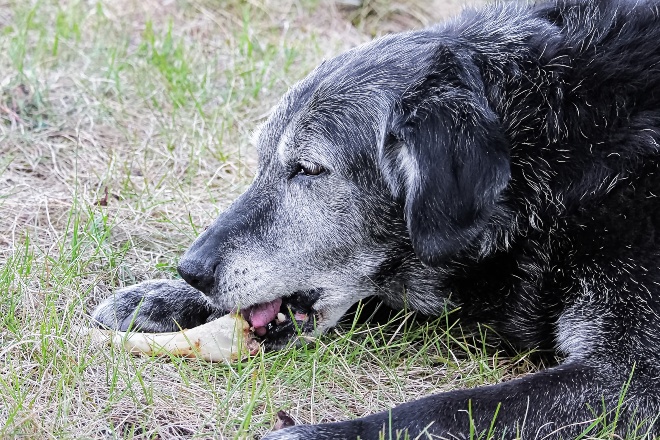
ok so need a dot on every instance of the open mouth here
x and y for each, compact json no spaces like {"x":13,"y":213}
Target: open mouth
{"x":276,"y":322}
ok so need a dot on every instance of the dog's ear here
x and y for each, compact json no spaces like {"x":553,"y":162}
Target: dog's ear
{"x":445,"y":155}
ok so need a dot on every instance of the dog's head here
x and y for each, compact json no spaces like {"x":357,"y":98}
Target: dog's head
{"x":382,"y":164}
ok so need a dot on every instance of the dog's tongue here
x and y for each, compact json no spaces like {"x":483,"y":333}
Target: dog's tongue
{"x":261,"y":314}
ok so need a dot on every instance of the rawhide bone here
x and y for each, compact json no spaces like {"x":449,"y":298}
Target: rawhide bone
{"x":227,"y":338}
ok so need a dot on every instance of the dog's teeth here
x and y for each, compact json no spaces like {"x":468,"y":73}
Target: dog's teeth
{"x":281,"y":317}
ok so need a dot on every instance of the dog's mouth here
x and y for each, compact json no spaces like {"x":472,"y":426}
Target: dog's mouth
{"x":279,"y":321}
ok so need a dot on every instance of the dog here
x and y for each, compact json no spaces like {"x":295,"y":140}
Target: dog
{"x":506,"y":163}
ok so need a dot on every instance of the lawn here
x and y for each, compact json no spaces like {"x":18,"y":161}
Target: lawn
{"x":124,"y":129}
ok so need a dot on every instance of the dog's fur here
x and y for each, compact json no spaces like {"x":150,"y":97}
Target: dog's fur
{"x":507,"y":162}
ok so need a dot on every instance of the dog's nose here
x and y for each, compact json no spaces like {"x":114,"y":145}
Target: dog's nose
{"x":197,"y":274}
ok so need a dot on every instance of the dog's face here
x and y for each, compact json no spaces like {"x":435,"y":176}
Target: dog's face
{"x":354,"y":187}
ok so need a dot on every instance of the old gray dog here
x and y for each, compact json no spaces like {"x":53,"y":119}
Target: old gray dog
{"x":508,"y":161}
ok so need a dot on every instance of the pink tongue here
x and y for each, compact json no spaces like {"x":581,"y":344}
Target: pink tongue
{"x":262,"y":314}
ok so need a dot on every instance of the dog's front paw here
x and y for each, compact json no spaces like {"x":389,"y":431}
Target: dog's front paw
{"x":302,"y":432}
{"x":155,"y":306}
{"x":326,"y":431}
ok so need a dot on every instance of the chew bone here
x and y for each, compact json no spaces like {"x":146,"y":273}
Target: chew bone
{"x":227,"y":338}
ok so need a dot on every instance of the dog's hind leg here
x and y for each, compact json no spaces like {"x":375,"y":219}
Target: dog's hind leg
{"x":155,"y":306}
{"x":561,"y":402}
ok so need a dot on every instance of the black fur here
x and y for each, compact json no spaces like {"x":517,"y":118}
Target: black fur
{"x":508,"y":162}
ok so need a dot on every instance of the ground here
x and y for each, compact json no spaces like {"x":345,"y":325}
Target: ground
{"x":124,"y":130}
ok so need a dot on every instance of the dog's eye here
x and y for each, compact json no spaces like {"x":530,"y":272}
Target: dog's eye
{"x":308,"y":168}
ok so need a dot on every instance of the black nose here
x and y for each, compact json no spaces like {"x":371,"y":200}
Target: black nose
{"x":197,"y":274}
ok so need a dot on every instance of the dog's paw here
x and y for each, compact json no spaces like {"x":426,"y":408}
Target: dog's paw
{"x":302,"y":432}
{"x":155,"y":306}
{"x":327,"y":431}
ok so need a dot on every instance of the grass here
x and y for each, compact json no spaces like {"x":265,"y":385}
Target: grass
{"x":124,"y":130}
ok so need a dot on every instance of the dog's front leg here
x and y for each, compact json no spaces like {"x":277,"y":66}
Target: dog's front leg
{"x":555,"y":403}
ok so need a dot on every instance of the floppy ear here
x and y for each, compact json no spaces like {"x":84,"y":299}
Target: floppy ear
{"x":446,"y":156}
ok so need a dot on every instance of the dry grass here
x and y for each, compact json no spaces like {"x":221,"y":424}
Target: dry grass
{"x":124,"y":129}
